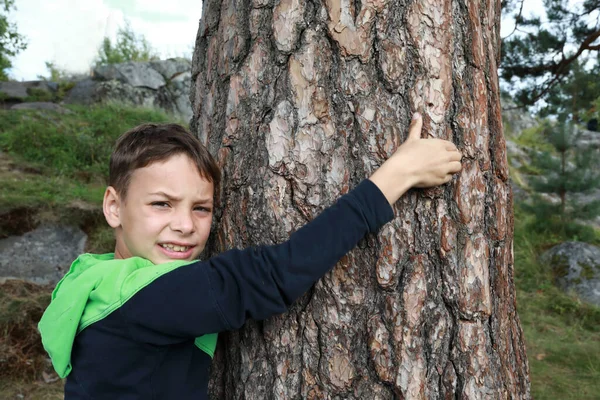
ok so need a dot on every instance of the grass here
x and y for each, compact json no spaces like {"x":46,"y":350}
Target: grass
{"x":42,"y":191}
{"x":562,"y":334}
{"x":75,"y":145}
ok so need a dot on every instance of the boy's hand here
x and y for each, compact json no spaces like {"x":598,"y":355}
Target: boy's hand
{"x":417,"y":163}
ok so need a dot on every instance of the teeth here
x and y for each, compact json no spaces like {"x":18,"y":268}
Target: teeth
{"x":173,"y":247}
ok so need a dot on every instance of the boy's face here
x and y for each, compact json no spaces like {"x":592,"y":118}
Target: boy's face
{"x":167,"y":212}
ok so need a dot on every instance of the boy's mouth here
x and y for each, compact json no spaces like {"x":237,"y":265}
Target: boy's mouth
{"x":174,"y":247}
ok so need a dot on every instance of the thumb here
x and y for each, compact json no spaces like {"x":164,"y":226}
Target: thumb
{"x":414,"y":131}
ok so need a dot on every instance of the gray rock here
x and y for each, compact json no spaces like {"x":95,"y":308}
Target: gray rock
{"x":13,"y":90}
{"x":588,"y":139}
{"x":172,"y":68}
{"x":123,"y":93}
{"x":21,"y":90}
{"x":41,"y":105}
{"x":82,"y":92}
{"x":137,"y":74}
{"x":41,"y":256}
{"x":175,"y":96}
{"x":156,"y":84}
{"x":576,"y":267}
{"x":516,"y":120}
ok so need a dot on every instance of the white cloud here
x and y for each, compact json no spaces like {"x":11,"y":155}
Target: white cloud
{"x":68,"y":32}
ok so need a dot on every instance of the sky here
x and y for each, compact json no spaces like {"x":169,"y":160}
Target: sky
{"x":69,"y":32}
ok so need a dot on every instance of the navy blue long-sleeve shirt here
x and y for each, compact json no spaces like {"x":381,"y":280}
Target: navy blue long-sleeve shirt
{"x":145,"y":349}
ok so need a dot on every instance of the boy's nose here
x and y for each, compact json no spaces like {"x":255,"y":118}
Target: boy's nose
{"x":183,"y":222}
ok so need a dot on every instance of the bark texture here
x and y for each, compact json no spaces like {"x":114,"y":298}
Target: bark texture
{"x":300,"y":100}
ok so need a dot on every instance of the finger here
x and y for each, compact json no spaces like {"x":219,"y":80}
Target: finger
{"x":451,"y":146}
{"x":455,"y":156}
{"x":454,"y":167}
{"x":414,"y":132}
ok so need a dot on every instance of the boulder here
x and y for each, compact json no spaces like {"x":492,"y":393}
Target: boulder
{"x":22,"y":90}
{"x":13,"y":90}
{"x":588,"y":139}
{"x":41,"y":256}
{"x":515,"y":119}
{"x":172,"y":68}
{"x":136,"y":74}
{"x":175,"y":97}
{"x":82,"y":92}
{"x":124,"y":93}
{"x":41,"y":105}
{"x":576,"y":268}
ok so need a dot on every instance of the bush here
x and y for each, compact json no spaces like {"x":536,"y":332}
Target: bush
{"x":128,"y":47}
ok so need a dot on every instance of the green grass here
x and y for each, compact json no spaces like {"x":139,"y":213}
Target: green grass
{"x":42,"y":191}
{"x":562,"y":333}
{"x":76,"y":145}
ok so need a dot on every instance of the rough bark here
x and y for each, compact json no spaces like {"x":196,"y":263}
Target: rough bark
{"x":302,"y":99}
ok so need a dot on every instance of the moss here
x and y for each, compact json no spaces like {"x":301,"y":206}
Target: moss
{"x":36,"y":94}
{"x":560,"y":266}
{"x":587,"y":271}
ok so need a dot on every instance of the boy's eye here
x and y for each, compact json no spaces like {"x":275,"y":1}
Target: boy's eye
{"x":159,"y":204}
{"x":202,"y":209}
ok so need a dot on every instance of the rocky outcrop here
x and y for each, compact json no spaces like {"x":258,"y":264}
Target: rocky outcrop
{"x":515,"y":120}
{"x":576,"y":268}
{"x":41,"y":256}
{"x":163,"y":84}
{"x":23,"y":91}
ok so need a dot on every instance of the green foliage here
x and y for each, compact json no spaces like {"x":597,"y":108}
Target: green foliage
{"x":128,"y":47}
{"x":567,"y":172}
{"x":11,"y":43}
{"x":561,"y":332}
{"x":533,"y":138}
{"x":77,"y":144}
{"x":574,"y":97}
{"x":541,"y":54}
{"x":36,"y":94}
{"x":55,"y":73}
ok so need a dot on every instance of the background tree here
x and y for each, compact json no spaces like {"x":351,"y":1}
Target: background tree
{"x":11,"y":43}
{"x":569,"y":172}
{"x":542,"y":52}
{"x":129,"y":46}
{"x":299,"y":101}
{"x":575,"y":97}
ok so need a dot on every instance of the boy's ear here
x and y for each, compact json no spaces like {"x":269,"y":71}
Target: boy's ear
{"x":111,"y":207}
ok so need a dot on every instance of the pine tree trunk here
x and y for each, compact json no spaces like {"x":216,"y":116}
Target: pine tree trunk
{"x":299,"y":101}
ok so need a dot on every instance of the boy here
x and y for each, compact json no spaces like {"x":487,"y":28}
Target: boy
{"x":141,"y":323}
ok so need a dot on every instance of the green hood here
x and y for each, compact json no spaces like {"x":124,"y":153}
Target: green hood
{"x":95,"y":286}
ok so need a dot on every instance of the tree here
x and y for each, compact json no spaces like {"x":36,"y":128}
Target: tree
{"x":11,"y":43}
{"x":299,"y":101}
{"x":540,"y":54}
{"x":569,"y":173}
{"x":574,"y":98}
{"x":129,"y":46}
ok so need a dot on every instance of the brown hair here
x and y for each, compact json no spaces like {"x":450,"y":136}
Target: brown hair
{"x":149,"y":143}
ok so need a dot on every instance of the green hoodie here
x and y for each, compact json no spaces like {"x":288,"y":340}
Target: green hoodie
{"x":95,"y":286}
